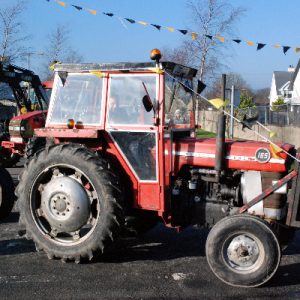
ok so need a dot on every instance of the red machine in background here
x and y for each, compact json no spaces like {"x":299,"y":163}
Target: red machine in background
{"x":32,"y":103}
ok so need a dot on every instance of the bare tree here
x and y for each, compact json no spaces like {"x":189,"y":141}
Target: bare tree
{"x":231,"y":79}
{"x":59,"y":49}
{"x":210,"y":18}
{"x":12,"y":37}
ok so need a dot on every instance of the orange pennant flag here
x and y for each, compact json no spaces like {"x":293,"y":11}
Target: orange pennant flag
{"x":220,"y":38}
{"x":250,"y":43}
{"x":275,"y":150}
{"x":92,"y":11}
{"x":143,"y":23}
{"x":61,"y":3}
{"x":194,"y":36}
{"x":276,"y":46}
{"x":171,"y":29}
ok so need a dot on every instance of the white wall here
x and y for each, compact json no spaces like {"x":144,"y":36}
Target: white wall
{"x":296,"y":91}
{"x":273,"y":91}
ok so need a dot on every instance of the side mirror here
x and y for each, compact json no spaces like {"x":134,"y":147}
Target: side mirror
{"x":148,"y":105}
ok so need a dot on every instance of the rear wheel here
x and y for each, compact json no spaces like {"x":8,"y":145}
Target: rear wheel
{"x":7,"y":195}
{"x":69,"y":202}
{"x":243,"y":251}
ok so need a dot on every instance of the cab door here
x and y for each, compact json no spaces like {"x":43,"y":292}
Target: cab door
{"x":135,"y":135}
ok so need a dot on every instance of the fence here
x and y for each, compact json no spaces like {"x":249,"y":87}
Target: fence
{"x":285,"y":115}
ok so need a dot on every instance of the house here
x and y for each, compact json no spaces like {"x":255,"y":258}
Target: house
{"x":281,"y":85}
{"x":295,"y":86}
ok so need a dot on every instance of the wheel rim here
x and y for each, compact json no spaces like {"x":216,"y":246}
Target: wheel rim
{"x":243,"y":253}
{"x":64,"y":204}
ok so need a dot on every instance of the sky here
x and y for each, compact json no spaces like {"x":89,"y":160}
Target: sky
{"x":99,"y":38}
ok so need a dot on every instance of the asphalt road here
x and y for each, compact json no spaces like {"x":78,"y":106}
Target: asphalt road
{"x":160,"y":265}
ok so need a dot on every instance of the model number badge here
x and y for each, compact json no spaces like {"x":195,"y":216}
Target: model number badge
{"x":262,"y":155}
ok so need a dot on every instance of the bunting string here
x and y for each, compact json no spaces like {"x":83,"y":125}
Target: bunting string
{"x":192,"y":34}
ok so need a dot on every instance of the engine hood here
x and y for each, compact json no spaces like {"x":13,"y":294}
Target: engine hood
{"x":240,"y":154}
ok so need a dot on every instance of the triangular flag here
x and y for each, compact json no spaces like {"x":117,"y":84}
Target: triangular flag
{"x":250,"y":43}
{"x":194,"y":35}
{"x":171,"y":29}
{"x":248,"y":123}
{"x":276,"y":46}
{"x":156,"y":70}
{"x":260,"y":46}
{"x":130,"y":20}
{"x":61,"y":3}
{"x":297,"y":49}
{"x":220,"y":38}
{"x":53,"y":63}
{"x":158,"y":27}
{"x":108,"y":14}
{"x":183,"y":31}
{"x":92,"y":11}
{"x":275,"y":150}
{"x":237,"y":41}
{"x":272,"y":134}
{"x":97,"y":73}
{"x":286,"y":49}
{"x":77,"y":7}
{"x":143,"y":23}
{"x":217,"y":103}
{"x":209,"y":36}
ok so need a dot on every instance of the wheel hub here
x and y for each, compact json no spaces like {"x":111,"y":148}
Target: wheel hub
{"x":242,"y":252}
{"x":65,"y":204}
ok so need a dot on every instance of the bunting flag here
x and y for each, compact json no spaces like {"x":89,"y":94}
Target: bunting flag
{"x":248,"y":123}
{"x":286,"y":49}
{"x":61,"y":3}
{"x":92,"y":11}
{"x":275,"y":150}
{"x":260,"y":46}
{"x":158,"y":27}
{"x":97,"y":73}
{"x":143,"y":23}
{"x":272,"y":134}
{"x":77,"y":7}
{"x":220,"y":38}
{"x":183,"y":31}
{"x":171,"y":29}
{"x":194,"y":35}
{"x":217,"y":103}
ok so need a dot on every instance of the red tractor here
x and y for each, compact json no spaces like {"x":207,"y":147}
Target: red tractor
{"x":32,"y":102}
{"x":117,"y":158}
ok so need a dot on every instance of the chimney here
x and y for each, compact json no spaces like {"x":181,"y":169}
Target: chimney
{"x":291,"y":69}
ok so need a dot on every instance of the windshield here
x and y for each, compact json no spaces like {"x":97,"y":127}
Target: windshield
{"x":178,"y":101}
{"x":79,"y":98}
{"x":125,"y":99}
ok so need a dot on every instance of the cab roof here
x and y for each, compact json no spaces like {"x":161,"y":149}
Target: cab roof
{"x":170,"y":67}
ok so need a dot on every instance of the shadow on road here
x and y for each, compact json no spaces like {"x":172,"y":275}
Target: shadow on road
{"x":159,"y":244}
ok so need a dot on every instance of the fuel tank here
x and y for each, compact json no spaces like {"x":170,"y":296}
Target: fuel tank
{"x":239,"y":154}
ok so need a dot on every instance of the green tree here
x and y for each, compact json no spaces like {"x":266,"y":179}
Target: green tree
{"x":278,"y":105}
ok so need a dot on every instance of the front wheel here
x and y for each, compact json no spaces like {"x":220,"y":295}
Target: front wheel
{"x":69,"y":202}
{"x":243,"y":251}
